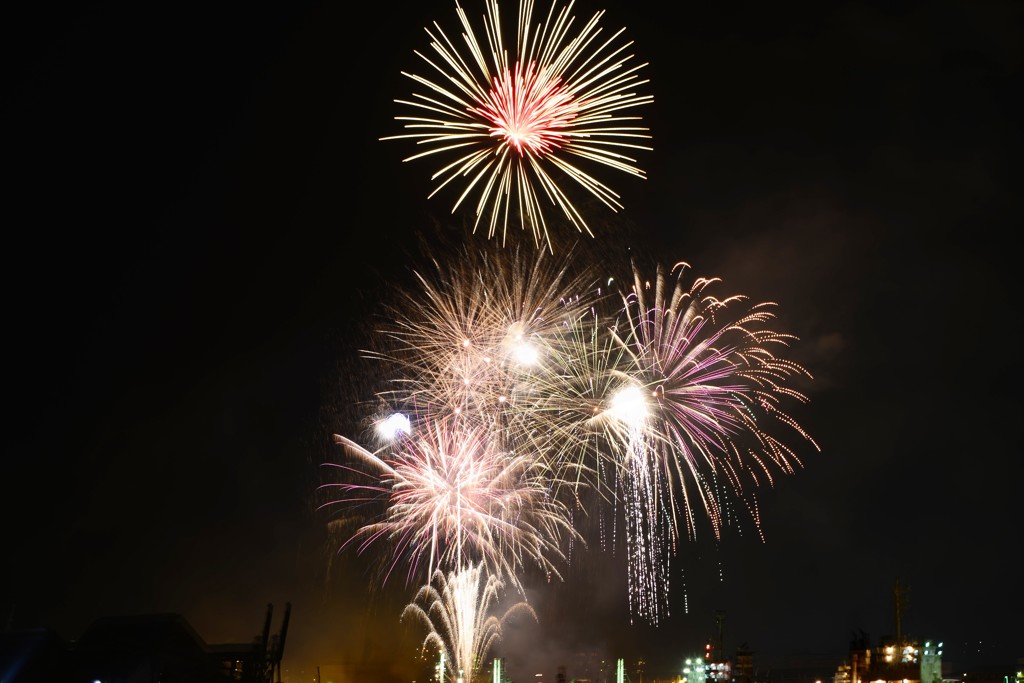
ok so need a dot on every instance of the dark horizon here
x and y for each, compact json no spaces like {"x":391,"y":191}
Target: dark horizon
{"x":795,"y":666}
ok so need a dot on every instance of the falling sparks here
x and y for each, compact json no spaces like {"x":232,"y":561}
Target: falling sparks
{"x":713,"y":387}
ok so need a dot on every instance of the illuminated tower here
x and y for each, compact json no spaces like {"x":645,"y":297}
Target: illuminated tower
{"x":931,"y":662}
{"x":693,"y":670}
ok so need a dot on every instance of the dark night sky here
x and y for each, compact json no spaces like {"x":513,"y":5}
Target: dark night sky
{"x":202,"y":217}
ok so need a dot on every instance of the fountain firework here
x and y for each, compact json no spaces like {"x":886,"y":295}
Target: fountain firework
{"x":456,"y":609}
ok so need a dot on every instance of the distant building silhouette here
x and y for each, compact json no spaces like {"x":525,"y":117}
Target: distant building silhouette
{"x":157,"y":648}
{"x":743,"y":671}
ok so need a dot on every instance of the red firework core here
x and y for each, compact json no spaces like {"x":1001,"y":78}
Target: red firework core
{"x":530,"y":112}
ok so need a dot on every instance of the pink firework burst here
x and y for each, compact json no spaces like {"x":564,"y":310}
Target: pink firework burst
{"x":511,"y":126}
{"x":453,"y":495}
{"x":701,"y":391}
{"x":530,"y":114}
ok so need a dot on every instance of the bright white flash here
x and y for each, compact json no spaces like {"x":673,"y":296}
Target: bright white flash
{"x":393,"y":426}
{"x":518,"y":346}
{"x":628,"y":405}
{"x":525,"y":353}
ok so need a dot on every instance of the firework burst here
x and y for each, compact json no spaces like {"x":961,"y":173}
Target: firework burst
{"x":524,"y":401}
{"x":700,"y":389}
{"x":510,"y":124}
{"x":456,"y":607}
{"x":480,"y":335}
{"x":450,"y":496}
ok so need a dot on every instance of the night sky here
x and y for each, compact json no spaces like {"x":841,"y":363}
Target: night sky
{"x":202,"y":218}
